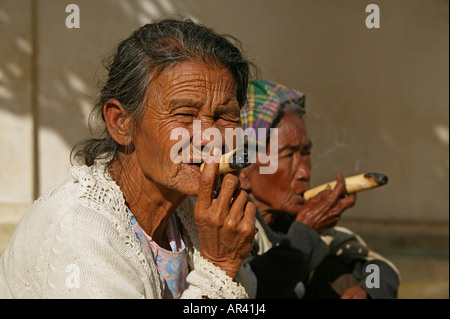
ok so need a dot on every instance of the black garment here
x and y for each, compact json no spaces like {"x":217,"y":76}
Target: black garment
{"x":296,"y":254}
{"x":320,"y":284}
{"x":290,"y":260}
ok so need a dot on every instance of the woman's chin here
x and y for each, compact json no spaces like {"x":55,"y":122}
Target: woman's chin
{"x":189,"y":187}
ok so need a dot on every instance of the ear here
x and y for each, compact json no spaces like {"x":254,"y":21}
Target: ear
{"x":244,"y":179}
{"x":117,"y":122}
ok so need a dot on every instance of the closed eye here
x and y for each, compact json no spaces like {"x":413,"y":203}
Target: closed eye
{"x":229,"y":113}
{"x":230,"y":119}
{"x":184,"y":114}
{"x":186,"y":118}
{"x":306,"y":152}
{"x":286,"y":154}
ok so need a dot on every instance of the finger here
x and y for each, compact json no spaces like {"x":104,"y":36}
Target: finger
{"x":229,"y":185}
{"x":321,"y":196}
{"x":324,"y":201}
{"x":248,"y":220}
{"x":237,"y":208}
{"x":206,"y":185}
{"x":333,"y":222}
{"x":338,"y":190}
{"x":237,"y":191}
{"x":329,"y":223}
{"x":340,"y":183}
{"x":341,"y":206}
{"x":348,"y":201}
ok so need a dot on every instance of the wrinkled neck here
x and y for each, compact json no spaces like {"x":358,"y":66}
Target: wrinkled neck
{"x":152,"y":204}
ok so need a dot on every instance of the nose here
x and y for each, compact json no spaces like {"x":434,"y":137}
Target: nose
{"x":205,"y":137}
{"x":303,"y":169}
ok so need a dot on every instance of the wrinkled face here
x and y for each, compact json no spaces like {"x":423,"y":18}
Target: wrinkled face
{"x":283,"y":190}
{"x":186,"y":92}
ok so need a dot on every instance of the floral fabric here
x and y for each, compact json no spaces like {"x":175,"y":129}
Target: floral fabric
{"x":172,"y":265}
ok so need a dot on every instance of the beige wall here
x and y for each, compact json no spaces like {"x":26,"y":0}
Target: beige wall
{"x":377,"y":99}
{"x":17,"y":167}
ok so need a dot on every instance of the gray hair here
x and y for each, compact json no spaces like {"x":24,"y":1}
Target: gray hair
{"x":290,"y":105}
{"x":149,"y":51}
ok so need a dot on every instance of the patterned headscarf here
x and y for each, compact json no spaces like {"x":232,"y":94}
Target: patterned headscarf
{"x":265,"y":101}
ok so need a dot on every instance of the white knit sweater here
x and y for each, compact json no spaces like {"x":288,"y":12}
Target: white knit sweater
{"x":76,"y":242}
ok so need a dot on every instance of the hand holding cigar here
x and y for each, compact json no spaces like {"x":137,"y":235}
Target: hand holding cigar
{"x":353,"y":184}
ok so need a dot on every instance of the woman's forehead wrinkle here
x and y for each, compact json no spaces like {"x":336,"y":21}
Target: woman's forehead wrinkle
{"x":179,"y":89}
{"x":199,"y":86}
{"x":288,"y":141}
{"x":291,"y":133}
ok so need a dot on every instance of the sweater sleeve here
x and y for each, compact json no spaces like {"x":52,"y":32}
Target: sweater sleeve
{"x":95,"y":264}
{"x":209,"y":281}
{"x":70,"y":251}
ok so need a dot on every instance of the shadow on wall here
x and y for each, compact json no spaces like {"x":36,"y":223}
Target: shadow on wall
{"x":16,"y":49}
{"x":64,"y":65}
{"x":51,"y":73}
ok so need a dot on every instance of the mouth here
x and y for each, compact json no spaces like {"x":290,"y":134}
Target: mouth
{"x":194,"y":164}
{"x":301,"y":197}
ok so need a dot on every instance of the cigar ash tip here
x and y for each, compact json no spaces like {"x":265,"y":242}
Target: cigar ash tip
{"x":381,"y":179}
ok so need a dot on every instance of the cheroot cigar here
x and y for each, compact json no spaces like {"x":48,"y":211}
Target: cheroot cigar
{"x":231,"y":161}
{"x":353,"y":184}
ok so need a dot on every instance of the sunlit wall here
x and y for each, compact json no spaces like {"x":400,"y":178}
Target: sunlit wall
{"x":377,"y":99}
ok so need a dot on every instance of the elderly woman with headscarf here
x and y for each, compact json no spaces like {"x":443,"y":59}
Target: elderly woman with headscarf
{"x":131,"y":222}
{"x":302,"y":238}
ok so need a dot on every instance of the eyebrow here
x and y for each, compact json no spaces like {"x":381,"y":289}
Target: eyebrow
{"x":288,"y":146}
{"x":198,"y":103}
{"x":226,"y":108}
{"x":185,"y":102}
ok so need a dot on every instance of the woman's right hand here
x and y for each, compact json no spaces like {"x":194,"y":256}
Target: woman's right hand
{"x":324,"y":210}
{"x":226,"y":225}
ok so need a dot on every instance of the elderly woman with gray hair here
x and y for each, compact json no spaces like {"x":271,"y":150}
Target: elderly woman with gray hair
{"x":303,"y":251}
{"x":131,"y":222}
